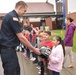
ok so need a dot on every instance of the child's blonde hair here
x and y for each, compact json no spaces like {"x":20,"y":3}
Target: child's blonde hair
{"x":27,"y":32}
{"x":40,"y":32}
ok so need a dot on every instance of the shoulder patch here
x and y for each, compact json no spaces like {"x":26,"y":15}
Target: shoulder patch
{"x":15,"y":19}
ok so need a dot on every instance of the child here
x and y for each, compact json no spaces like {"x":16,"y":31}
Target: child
{"x":40,"y":35}
{"x":46,"y":42}
{"x":34,"y":43}
{"x":27,"y":51}
{"x":40,"y":63}
{"x":57,"y":56}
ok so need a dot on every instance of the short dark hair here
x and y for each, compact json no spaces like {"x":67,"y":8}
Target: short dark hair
{"x":48,"y":32}
{"x":20,"y":3}
{"x":70,"y":19}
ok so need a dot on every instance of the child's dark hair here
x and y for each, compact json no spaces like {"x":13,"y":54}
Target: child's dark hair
{"x":70,"y":19}
{"x":48,"y":32}
{"x":61,"y":42}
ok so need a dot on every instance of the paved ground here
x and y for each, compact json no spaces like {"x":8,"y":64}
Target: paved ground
{"x":28,"y":68}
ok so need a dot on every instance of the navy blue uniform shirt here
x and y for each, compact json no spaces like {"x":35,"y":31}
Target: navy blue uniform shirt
{"x":0,"y":37}
{"x":10,"y":27}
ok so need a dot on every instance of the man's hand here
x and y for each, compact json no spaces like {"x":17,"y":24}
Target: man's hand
{"x":24,"y":41}
{"x":37,"y":51}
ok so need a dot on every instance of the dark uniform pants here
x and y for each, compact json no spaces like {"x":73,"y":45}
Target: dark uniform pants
{"x":10,"y":61}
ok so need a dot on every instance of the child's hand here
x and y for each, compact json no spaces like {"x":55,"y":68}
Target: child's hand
{"x":49,"y":57}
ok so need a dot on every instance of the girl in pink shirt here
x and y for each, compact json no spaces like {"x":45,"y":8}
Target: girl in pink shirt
{"x":56,"y":57}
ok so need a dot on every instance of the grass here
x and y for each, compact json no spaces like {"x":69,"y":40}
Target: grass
{"x":61,"y":33}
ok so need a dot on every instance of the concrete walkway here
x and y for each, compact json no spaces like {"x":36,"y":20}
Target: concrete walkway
{"x":28,"y":68}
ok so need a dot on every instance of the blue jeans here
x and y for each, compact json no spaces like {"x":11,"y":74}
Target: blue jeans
{"x":28,"y":52}
{"x":55,"y":73}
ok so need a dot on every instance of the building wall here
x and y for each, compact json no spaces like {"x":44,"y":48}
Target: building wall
{"x":48,"y":22}
{"x":66,"y":5}
{"x":59,"y":7}
{"x":36,"y":24}
{"x":54,"y":25}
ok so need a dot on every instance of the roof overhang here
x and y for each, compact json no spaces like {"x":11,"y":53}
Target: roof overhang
{"x":43,"y":15}
{"x":40,"y":15}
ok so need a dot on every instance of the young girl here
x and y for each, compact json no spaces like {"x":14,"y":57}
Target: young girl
{"x":26,"y":49}
{"x":57,"y":56}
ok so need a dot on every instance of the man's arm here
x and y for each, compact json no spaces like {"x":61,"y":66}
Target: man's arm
{"x":24,"y":41}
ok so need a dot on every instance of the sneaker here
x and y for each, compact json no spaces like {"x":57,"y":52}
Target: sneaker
{"x":34,"y":59}
{"x":38,"y":67}
{"x":39,"y":72}
{"x":31,"y":58}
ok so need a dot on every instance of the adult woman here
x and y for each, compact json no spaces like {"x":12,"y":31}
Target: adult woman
{"x":68,"y":40}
